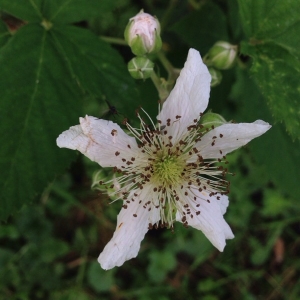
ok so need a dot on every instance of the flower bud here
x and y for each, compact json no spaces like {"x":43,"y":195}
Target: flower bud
{"x":142,"y":34}
{"x":216,"y":76}
{"x":101,"y":180}
{"x":222,"y":55}
{"x":211,"y":120}
{"x":140,"y":67}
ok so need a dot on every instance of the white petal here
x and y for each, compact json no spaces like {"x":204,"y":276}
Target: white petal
{"x":210,"y":220}
{"x":99,"y":140}
{"x":190,"y":95}
{"x":130,"y":231}
{"x":229,"y":137}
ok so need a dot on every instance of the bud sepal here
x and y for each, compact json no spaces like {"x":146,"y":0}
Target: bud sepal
{"x":211,"y":120}
{"x":140,"y":67}
{"x":216,"y":76}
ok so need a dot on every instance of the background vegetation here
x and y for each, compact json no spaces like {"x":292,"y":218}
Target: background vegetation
{"x":56,"y":65}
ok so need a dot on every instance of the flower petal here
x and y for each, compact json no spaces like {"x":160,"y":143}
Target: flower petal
{"x":210,"y":220}
{"x":229,"y":137}
{"x":132,"y":225}
{"x":100,"y":140}
{"x":189,"y":96}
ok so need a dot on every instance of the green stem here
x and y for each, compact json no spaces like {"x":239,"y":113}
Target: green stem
{"x":113,"y":40}
{"x":167,"y":65}
{"x":163,"y":93}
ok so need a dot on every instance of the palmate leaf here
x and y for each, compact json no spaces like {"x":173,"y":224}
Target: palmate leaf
{"x":36,"y":102}
{"x":272,"y":28}
{"x":44,"y":75}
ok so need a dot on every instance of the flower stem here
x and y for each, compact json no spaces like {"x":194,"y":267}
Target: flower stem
{"x":163,"y":93}
{"x":166,"y":63}
{"x":113,"y":40}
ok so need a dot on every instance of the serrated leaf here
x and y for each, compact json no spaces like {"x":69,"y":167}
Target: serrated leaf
{"x":272,"y":28}
{"x":272,"y":20}
{"x":202,"y":28}
{"x":39,"y":98}
{"x":274,"y":150}
{"x":42,"y":98}
{"x":277,"y":74}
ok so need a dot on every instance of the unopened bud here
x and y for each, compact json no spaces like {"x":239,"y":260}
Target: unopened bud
{"x":211,"y":120}
{"x":140,"y":67}
{"x":216,"y":76}
{"x":222,"y":55}
{"x":142,"y":34}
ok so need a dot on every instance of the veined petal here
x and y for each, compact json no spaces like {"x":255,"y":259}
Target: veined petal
{"x":210,"y":219}
{"x":229,"y":137}
{"x":189,"y":96}
{"x":102,"y":141}
{"x":132,"y":225}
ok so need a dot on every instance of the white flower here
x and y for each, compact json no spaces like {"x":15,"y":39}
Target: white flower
{"x":167,"y":172}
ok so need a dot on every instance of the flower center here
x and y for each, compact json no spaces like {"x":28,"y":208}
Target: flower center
{"x":167,"y":170}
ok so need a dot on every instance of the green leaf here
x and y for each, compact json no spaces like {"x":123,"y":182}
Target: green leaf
{"x":274,"y":150}
{"x":56,"y":11}
{"x":29,"y":10}
{"x":260,"y":253}
{"x":39,"y":99}
{"x":42,"y":98}
{"x":272,"y":21}
{"x":70,"y":11}
{"x":277,"y":74}
{"x":202,"y":28}
{"x":99,"y":69}
{"x":161,"y":262}
{"x":52,"y":249}
{"x":98,"y":279}
{"x":275,"y":204}
{"x":4,"y":34}
{"x":272,"y":28}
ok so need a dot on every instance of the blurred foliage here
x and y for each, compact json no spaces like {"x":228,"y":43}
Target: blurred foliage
{"x":56,"y":68}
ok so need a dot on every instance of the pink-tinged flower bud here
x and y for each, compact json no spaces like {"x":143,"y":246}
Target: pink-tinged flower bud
{"x":143,"y":34}
{"x":222,"y":55}
{"x":140,"y":67}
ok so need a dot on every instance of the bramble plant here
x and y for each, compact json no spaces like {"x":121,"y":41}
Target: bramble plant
{"x":162,"y":147}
